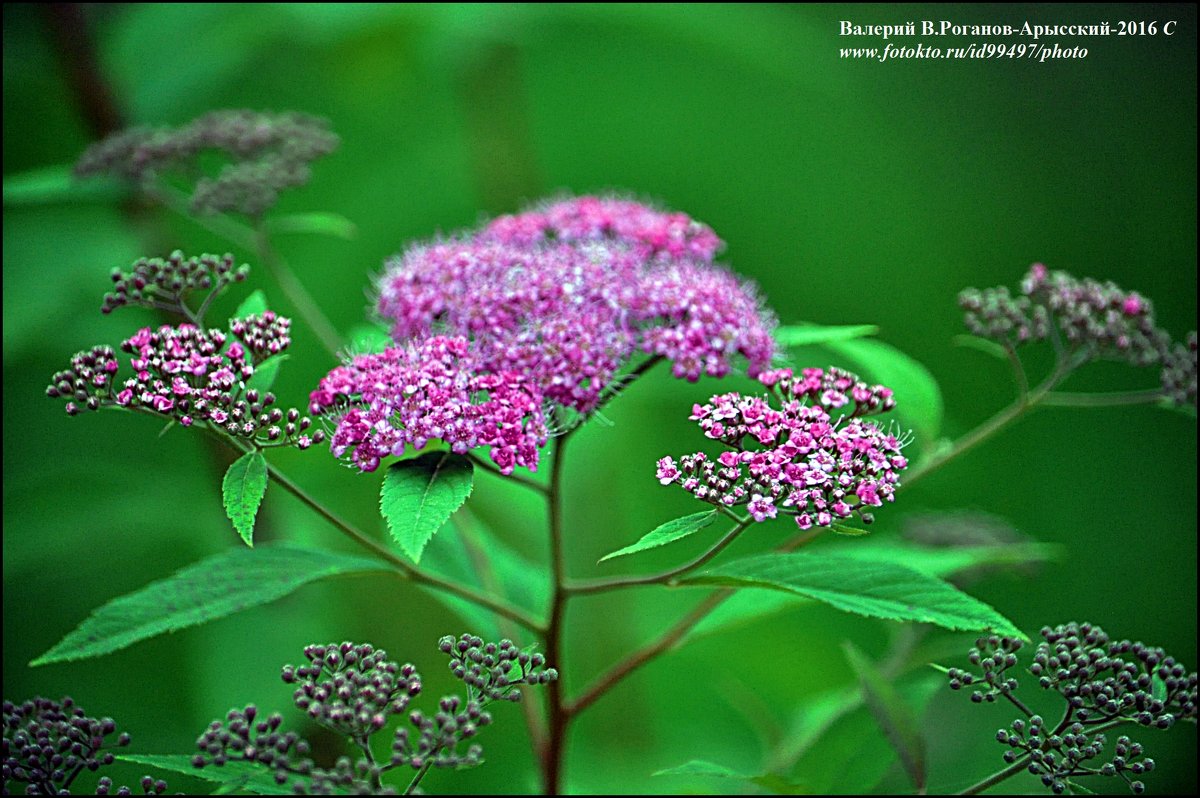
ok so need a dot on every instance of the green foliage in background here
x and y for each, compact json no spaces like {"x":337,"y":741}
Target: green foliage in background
{"x":855,"y":194}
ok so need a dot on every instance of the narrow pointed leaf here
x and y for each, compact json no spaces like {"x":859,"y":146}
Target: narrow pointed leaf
{"x":749,"y":605}
{"x":242,"y":489}
{"x":253,"y":305}
{"x":874,"y":589}
{"x":767,"y":781}
{"x":212,"y":588}
{"x":895,"y":718}
{"x":419,"y":495}
{"x":234,"y":775}
{"x":667,"y":533}
{"x":810,"y":334}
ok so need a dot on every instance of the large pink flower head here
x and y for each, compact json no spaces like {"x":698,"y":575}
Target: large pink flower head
{"x":567,"y":293}
{"x":433,"y":389}
{"x":816,"y":457}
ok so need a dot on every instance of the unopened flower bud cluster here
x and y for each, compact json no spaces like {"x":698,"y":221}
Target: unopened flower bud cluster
{"x":1091,"y":319}
{"x":165,"y":283}
{"x":807,"y":459}
{"x":353,"y":690}
{"x":1102,"y":682}
{"x":47,"y":744}
{"x":266,"y":154}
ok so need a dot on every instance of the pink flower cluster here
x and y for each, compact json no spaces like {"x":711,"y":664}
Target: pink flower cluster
{"x":566,"y":294}
{"x":191,"y":375}
{"x":799,"y":459}
{"x":433,"y":389}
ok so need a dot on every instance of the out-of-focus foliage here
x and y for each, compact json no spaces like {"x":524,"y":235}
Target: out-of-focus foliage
{"x":852,"y":192}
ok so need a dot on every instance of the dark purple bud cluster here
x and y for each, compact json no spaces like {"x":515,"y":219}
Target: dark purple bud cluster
{"x":192,"y":375}
{"x":492,"y":671}
{"x":1093,"y":318}
{"x":266,"y":153}
{"x":47,"y":744}
{"x":1105,"y":683}
{"x":246,"y":736}
{"x":166,"y":283}
{"x":1179,"y":373}
{"x":352,"y":689}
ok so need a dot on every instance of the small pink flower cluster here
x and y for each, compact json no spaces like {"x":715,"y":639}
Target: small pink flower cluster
{"x":191,"y":375}
{"x":426,"y":390}
{"x":799,"y":459}
{"x":566,"y":294}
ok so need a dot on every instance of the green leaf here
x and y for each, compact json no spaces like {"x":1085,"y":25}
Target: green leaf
{"x":895,"y":718}
{"x":700,"y":767}
{"x":318,"y":222}
{"x":810,"y":334}
{"x":874,"y":589}
{"x":366,"y":338}
{"x":419,"y":495}
{"x":985,"y":345}
{"x":204,"y":591}
{"x":918,"y":398}
{"x":750,"y":605}
{"x":667,"y":533}
{"x":850,"y":531}
{"x":235,"y":774}
{"x":265,"y":373}
{"x":242,"y":489}
{"x":57,"y":185}
{"x":1078,"y":789}
{"x":253,"y":305}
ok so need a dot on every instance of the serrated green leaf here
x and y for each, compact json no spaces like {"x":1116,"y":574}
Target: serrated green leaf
{"x":368,"y":338}
{"x":319,"y":222}
{"x":265,"y":373}
{"x":809,"y":334}
{"x":419,"y":495}
{"x":56,"y":185}
{"x":667,"y":533}
{"x":233,"y":775}
{"x":918,"y":398}
{"x":874,"y":589}
{"x":985,"y":345}
{"x":253,"y":305}
{"x":895,"y":718}
{"x":212,"y":588}
{"x":750,"y":605}
{"x":242,"y":490}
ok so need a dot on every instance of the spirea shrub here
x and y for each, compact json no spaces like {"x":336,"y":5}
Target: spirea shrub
{"x":497,"y":344}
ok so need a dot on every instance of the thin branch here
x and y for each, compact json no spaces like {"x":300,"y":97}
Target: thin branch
{"x":1115,"y":399}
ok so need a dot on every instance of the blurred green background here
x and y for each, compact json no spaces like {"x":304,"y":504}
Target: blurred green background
{"x":850,"y":191}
